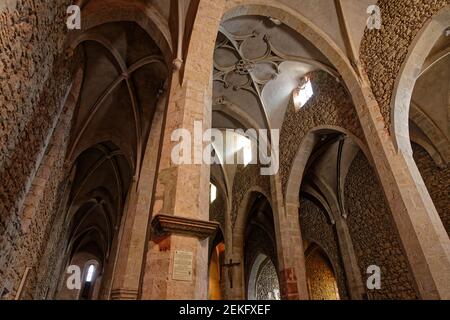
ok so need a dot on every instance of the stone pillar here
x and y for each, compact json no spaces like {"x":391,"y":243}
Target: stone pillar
{"x":352,"y":272}
{"x":181,"y":207}
{"x":237,"y":256}
{"x":291,"y":254}
{"x":133,"y":234}
{"x":424,"y":239}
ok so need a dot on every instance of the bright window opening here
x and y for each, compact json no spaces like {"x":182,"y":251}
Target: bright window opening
{"x":213,"y":193}
{"x":90,"y":273}
{"x":244,"y":145}
{"x":302,"y":94}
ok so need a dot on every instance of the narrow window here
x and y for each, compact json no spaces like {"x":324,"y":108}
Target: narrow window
{"x":244,"y":145}
{"x":303,"y":93}
{"x":90,"y":273}
{"x":213,"y":193}
{"x":86,"y":293}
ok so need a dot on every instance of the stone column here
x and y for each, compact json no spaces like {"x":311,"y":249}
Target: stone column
{"x":352,"y":272}
{"x":291,"y":254}
{"x":133,"y":234}
{"x":424,"y":239}
{"x":181,"y":207}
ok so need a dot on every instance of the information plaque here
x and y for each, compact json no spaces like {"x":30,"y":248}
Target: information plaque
{"x":182,"y":266}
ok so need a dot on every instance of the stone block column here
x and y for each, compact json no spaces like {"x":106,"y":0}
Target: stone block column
{"x":176,"y":261}
{"x":128,"y":262}
{"x":291,"y":254}
{"x":354,"y":279}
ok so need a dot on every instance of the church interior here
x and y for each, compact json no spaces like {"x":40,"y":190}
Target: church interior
{"x":353,"y":94}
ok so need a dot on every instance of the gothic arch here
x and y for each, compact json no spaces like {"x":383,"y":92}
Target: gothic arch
{"x":409,"y":73}
{"x":238,"y":233}
{"x":312,"y":33}
{"x":258,"y":263}
{"x":302,"y":157}
{"x":243,"y":215}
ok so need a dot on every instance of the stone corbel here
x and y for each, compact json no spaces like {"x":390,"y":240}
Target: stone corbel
{"x":167,"y":224}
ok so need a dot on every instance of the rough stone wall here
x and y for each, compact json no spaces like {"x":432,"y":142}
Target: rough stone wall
{"x":217,"y":210}
{"x":247,"y":177}
{"x":27,"y":234}
{"x":330,"y":105}
{"x":34,"y":81}
{"x":316,"y":228}
{"x":33,"y":84}
{"x":384,"y":51}
{"x":374,"y":236}
{"x":321,"y":281}
{"x":437,"y":181}
{"x":52,"y":255}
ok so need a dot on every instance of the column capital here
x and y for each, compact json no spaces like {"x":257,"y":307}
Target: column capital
{"x":124,"y":294}
{"x":166,"y":224}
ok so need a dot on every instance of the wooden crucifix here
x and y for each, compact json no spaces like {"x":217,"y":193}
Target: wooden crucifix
{"x":230,"y":270}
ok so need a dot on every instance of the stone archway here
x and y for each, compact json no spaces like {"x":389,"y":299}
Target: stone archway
{"x":412,"y":67}
{"x":238,"y":241}
{"x":263,"y":283}
{"x":408,"y":199}
{"x":303,"y":154}
{"x":420,"y":108}
{"x":96,"y":13}
{"x":315,"y":193}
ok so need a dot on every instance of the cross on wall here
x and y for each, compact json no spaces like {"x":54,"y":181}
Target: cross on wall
{"x":230,"y":266}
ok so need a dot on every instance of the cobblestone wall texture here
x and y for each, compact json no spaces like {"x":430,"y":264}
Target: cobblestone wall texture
{"x":35,"y":79}
{"x":316,"y":227}
{"x":321,"y":280}
{"x":247,"y":177}
{"x":374,"y":236}
{"x":384,"y":51}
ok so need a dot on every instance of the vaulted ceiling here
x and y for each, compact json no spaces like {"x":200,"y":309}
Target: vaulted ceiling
{"x":327,"y":169}
{"x":258,"y":63}
{"x":124,"y":72}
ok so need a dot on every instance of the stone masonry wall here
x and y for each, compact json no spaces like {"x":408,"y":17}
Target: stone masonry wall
{"x":247,"y":177}
{"x":437,"y":181}
{"x":317,"y":228}
{"x":384,"y":51}
{"x":217,"y":210}
{"x":321,"y":280}
{"x":374,"y":236}
{"x":34,"y":81}
{"x":330,"y":105}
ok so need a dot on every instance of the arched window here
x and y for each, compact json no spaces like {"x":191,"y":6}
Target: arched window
{"x":90,"y":272}
{"x":303,"y":93}
{"x":212,"y":193}
{"x":244,"y":147}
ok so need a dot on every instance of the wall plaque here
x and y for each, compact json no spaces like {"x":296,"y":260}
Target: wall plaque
{"x":182,"y":266}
